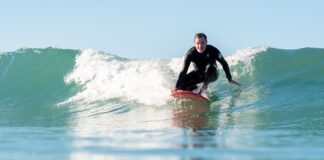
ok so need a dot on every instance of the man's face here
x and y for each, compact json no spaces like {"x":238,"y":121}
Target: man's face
{"x":200,"y":44}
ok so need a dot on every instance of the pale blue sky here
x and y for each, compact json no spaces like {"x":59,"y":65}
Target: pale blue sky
{"x":160,"y":29}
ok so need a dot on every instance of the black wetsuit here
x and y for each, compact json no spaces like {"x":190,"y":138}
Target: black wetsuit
{"x":200,"y":63}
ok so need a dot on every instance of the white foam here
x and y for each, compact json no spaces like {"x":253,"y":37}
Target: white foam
{"x":245,"y":56}
{"x":104,"y":76}
{"x":176,"y":64}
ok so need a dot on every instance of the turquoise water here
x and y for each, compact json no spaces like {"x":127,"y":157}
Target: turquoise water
{"x":85,"y":104}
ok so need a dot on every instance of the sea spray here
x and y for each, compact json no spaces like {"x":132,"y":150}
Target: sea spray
{"x":104,"y":77}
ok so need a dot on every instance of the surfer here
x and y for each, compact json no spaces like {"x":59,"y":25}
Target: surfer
{"x":204,"y":59}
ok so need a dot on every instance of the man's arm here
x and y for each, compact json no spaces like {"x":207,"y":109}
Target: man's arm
{"x":183,"y":71}
{"x":226,"y":68}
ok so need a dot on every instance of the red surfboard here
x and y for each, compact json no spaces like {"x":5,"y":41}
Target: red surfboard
{"x":189,"y":95}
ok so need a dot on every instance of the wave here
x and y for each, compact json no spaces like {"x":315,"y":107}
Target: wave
{"x":47,"y":87}
{"x":32,"y":82}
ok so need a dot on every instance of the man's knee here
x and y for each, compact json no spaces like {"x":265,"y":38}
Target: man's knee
{"x":211,"y":74}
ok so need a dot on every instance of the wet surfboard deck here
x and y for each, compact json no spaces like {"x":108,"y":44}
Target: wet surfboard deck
{"x":188,"y":95}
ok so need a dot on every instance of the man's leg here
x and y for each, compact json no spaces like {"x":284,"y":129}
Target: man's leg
{"x":211,"y":76}
{"x":190,"y":81}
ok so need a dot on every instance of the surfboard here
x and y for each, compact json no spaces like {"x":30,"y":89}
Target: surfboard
{"x":188,"y":95}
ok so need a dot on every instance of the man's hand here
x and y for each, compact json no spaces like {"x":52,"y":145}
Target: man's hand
{"x":234,"y":82}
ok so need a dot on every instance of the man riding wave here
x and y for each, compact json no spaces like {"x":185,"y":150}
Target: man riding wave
{"x":204,"y":59}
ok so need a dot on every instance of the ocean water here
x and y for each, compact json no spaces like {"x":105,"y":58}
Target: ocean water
{"x":86,"y":104}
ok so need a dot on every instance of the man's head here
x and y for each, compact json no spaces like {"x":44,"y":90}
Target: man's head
{"x":200,"y":41}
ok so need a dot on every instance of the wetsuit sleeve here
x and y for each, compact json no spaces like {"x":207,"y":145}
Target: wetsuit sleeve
{"x":224,"y":64}
{"x":184,"y":69}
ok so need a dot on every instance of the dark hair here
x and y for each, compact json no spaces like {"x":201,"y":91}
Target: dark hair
{"x":201,"y":35}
